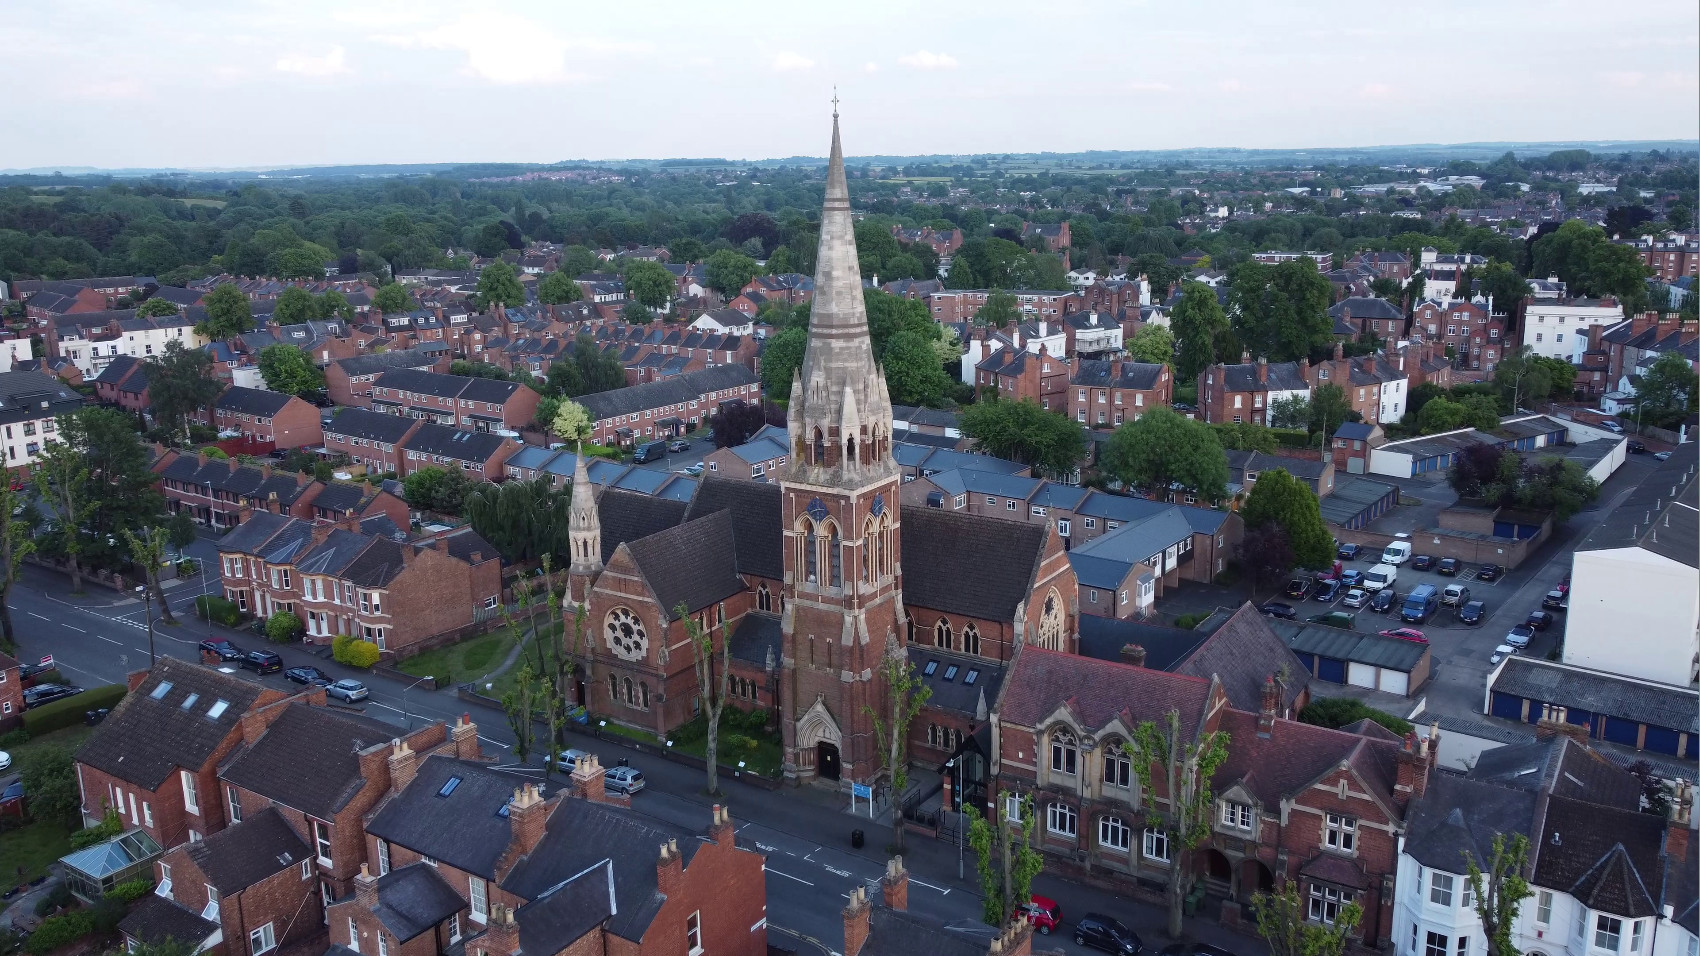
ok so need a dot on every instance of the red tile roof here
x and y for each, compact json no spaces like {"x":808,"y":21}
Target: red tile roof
{"x":1096,"y":691}
{"x":1295,"y":755}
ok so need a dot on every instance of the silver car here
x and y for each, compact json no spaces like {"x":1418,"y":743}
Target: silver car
{"x":623,"y":779}
{"x":347,"y":689}
{"x":568,"y":760}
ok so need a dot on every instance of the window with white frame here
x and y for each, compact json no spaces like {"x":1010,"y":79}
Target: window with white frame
{"x":1341,"y":834}
{"x":1440,"y":888}
{"x":383,"y":857}
{"x":1118,"y":770}
{"x":261,"y":940}
{"x":1543,"y":907}
{"x":191,"y":793}
{"x":1155,"y":844}
{"x":383,"y":944}
{"x":1061,"y":819}
{"x":478,"y":896}
{"x":693,"y":932}
{"x":1635,"y":935}
{"x":1236,"y":815}
{"x":210,"y":911}
{"x":1113,"y":833}
{"x":164,"y":888}
{"x":353,"y":935}
{"x":322,"y":838}
{"x":1435,"y":945}
{"x":306,"y":869}
{"x":235,"y":806}
{"x":1326,"y":903}
{"x":1065,"y":752}
{"x":1608,"y":932}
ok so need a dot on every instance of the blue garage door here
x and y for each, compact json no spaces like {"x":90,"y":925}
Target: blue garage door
{"x":1510,"y":706}
{"x":1660,"y":740}
{"x":1620,"y":731}
{"x":1331,"y":670}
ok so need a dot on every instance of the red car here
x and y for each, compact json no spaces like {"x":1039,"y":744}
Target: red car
{"x":1406,"y":634}
{"x":1043,"y":913}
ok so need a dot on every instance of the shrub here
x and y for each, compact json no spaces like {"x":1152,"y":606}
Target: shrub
{"x":217,"y":454}
{"x":218,"y":610}
{"x":56,"y":899}
{"x":69,"y":712}
{"x":339,"y":647}
{"x":13,"y":738}
{"x":57,"y":931}
{"x":131,"y":890}
{"x":354,"y":652}
{"x":49,"y":677}
{"x":1340,"y":711}
{"x":108,"y":827}
{"x":283,"y":628}
{"x":1187,"y":622}
{"x":1292,"y":437}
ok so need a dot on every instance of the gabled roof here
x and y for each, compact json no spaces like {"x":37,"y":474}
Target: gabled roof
{"x":1294,"y":755}
{"x":1365,"y":307}
{"x":1281,"y":377}
{"x":629,"y":516}
{"x":328,"y":741}
{"x":1096,"y":691}
{"x":968,"y":564}
{"x":904,"y":933}
{"x":1101,"y":373}
{"x":1608,"y":860}
{"x":687,"y":387}
{"x":693,"y":564}
{"x":963,"y":683}
{"x":1621,"y":698}
{"x":153,"y":919}
{"x":462,"y":825}
{"x":757,"y":530}
{"x":458,"y":444}
{"x":169,"y":722}
{"x":1242,"y":652}
{"x":1456,"y":816}
{"x":239,"y":856}
{"x":252,"y":401}
{"x":1661,"y":515}
{"x":1561,"y":766}
{"x":357,"y":422}
{"x":414,"y":899}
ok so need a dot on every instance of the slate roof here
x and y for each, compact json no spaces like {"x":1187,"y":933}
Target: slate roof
{"x":1138,"y":541}
{"x":1282,"y":377}
{"x":251,"y":535}
{"x":688,"y":387}
{"x":964,"y":683}
{"x":252,"y":401}
{"x":455,"y":443}
{"x":357,"y":422}
{"x":1104,"y":638}
{"x":1608,"y":862}
{"x":904,"y":933}
{"x":1343,"y":645}
{"x":1242,"y":652}
{"x":374,"y":363}
{"x":237,"y":857}
{"x":1365,"y":307}
{"x":567,"y":911}
{"x":1659,"y":705}
{"x":118,"y":368}
{"x":694,"y":564}
{"x":757,"y":633}
{"x":463,"y":828}
{"x":1101,"y":373}
{"x":971,"y":565}
{"x":1457,"y":815}
{"x":305,"y":736}
{"x":629,"y":516}
{"x":755,"y":508}
{"x":28,"y":396}
{"x":414,"y":899}
{"x":150,"y":734}
{"x":1562,"y":766}
{"x":153,"y":919}
{"x":1097,"y":691}
{"x":1660,"y":515}
{"x":1294,"y":755}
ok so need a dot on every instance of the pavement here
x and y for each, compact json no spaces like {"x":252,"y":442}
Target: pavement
{"x":100,"y":636}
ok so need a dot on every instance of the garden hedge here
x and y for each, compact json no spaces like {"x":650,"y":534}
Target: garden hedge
{"x":69,"y":711}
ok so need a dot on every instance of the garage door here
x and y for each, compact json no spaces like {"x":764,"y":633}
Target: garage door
{"x":1395,"y":682}
{"x":1360,"y":675}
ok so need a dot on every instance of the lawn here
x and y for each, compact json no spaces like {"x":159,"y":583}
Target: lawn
{"x":31,"y":848}
{"x":70,"y":738}
{"x":468,"y":661}
{"x":743,"y":736}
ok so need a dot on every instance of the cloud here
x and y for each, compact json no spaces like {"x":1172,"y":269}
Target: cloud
{"x":328,"y":65}
{"x":511,"y":50}
{"x":870,"y":67}
{"x":1145,"y":86}
{"x":789,"y":62}
{"x":1375,"y":91}
{"x":927,"y":60}
{"x":122,"y":88}
{"x":1624,"y":79}
{"x":1230,"y":86}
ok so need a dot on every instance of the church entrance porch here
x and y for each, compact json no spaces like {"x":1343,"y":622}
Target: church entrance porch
{"x":826,"y":761}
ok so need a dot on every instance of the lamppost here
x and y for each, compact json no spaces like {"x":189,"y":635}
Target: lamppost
{"x":147,"y":599}
{"x":950,"y":765}
{"x":405,"y":711}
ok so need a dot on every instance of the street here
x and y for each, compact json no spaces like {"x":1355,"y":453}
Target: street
{"x":100,"y":636}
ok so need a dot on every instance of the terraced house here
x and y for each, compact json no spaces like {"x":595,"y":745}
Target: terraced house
{"x":473,"y":404}
{"x":220,"y":491}
{"x":267,"y":416}
{"x":667,"y":406}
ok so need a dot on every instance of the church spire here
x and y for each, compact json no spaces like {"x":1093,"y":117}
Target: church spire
{"x":584,"y":522}
{"x":840,"y":415}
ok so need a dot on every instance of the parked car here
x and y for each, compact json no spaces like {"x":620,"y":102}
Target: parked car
{"x":1406,"y":634}
{"x":627,"y":780}
{"x":1384,"y":601}
{"x":1422,"y":562}
{"x":1455,"y":595}
{"x":1351,"y":579}
{"x":1612,"y":427}
{"x":1636,"y":448}
{"x":649,"y":451}
{"x":307,"y":674}
{"x":1327,"y":591}
{"x":1422,"y":602}
{"x":1539,"y":620}
{"x":694,"y":470}
{"x":1356,"y":597}
{"x":225,"y":650}
{"x":1299,"y":588}
{"x":567,"y":762}
{"x":348,"y":689}
{"x":1044,"y":913}
{"x":1472,"y":613}
{"x":1280,"y":609}
{"x":1381,"y":576}
{"x":678,"y":444}
{"x":1339,"y":619}
{"x":5,"y":760}
{"x":1519,"y":636}
{"x":1501,"y":653}
{"x":48,"y":693}
{"x":1398,"y":551}
{"x":1489,"y":572}
{"x":1556,"y":601}
{"x":1106,"y":933}
{"x":1448,"y":566}
{"x":1348,"y":551}
{"x":1661,"y":456}
{"x":263,"y":662}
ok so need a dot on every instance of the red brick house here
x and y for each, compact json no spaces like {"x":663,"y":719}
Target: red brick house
{"x":124,"y":383}
{"x":11,"y":693}
{"x":1106,"y":393}
{"x":885,"y":926}
{"x":154,"y":761}
{"x":1014,"y":374}
{"x":1056,"y":237}
{"x":371,"y":440}
{"x":638,"y":413}
{"x":218,"y":491}
{"x":1373,"y":384}
{"x":472,"y":404}
{"x":1244,"y":392}
{"x":1474,"y":338}
{"x":263,"y":415}
{"x":349,"y":381}
{"x":942,"y":242}
{"x":480,"y":454}
{"x":1670,"y":258}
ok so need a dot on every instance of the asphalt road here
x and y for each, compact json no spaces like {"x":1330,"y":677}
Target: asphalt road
{"x":100,"y":636}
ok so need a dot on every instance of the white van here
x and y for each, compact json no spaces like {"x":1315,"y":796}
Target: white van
{"x":1380,"y":576}
{"x":1397,"y":552}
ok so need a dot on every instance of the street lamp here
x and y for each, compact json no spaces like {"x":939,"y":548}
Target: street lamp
{"x":950,"y":765}
{"x":405,"y":712}
{"x":147,"y":613}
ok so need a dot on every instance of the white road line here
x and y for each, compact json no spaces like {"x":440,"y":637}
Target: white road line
{"x":787,"y":876}
{"x":42,"y":617}
{"x":387,"y":707}
{"x":109,"y":640}
{"x":73,"y":627}
{"x":494,"y":743}
{"x":929,"y":886}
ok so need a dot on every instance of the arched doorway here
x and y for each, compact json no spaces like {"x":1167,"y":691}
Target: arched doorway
{"x":1255,"y":878}
{"x":826,"y":760}
{"x":1217,"y":867}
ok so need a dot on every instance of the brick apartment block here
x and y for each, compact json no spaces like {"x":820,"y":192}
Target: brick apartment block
{"x":639,"y":413}
{"x":1106,"y":393}
{"x":11,"y":693}
{"x":124,"y":383}
{"x":349,"y":381}
{"x":263,"y":415}
{"x":218,"y":491}
{"x":478,"y":454}
{"x":1015,"y":374}
{"x":1244,"y":392}
{"x":369,"y":439}
{"x":472,"y":404}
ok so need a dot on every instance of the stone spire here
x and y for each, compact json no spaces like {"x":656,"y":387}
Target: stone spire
{"x":584,"y":523}
{"x":840,"y":414}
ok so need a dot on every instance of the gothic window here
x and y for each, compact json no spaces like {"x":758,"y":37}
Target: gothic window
{"x":1065,"y":753}
{"x":942,"y":635}
{"x":870,"y":550}
{"x":631,"y":693}
{"x":850,"y":449}
{"x":613,"y":687}
{"x":834,"y":557}
{"x":1051,"y":623}
{"x":971,"y":639}
{"x":643,"y":694}
{"x":764,"y":598}
{"x":820,"y":448}
{"x":626,"y":636}
{"x":811,"y":553}
{"x":910,"y":624}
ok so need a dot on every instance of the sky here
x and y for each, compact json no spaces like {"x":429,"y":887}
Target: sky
{"x":255,"y":83}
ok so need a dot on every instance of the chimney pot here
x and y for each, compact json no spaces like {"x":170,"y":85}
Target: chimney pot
{"x":1133,"y":654}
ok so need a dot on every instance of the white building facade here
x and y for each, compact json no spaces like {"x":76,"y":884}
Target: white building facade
{"x":1558,"y":328}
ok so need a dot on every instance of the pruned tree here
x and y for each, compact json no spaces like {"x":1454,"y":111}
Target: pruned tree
{"x":1186,"y":764}
{"x":1006,"y":859}
{"x":520,"y":705}
{"x":17,"y":542}
{"x":61,"y":473}
{"x":908,"y":694}
{"x":1285,"y":925}
{"x":710,"y":688}
{"x":147,"y":550}
{"x":1500,"y":890}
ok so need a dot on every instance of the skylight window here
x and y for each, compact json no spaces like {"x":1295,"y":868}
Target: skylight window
{"x":950,"y":673}
{"x":189,"y":701}
{"x":218,"y":708}
{"x":970,"y":677}
{"x":160,"y":691}
{"x":449,"y":787}
{"x":931,"y":667}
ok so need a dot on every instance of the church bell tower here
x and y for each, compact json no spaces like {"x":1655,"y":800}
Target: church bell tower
{"x":839,"y":494}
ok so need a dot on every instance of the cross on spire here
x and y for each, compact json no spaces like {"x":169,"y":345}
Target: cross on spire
{"x":835,"y":102}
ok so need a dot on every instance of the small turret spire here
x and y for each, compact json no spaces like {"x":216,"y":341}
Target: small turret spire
{"x":584,"y":522}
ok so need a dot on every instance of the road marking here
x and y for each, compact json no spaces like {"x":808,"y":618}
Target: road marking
{"x":73,"y":627}
{"x":494,"y":743}
{"x":787,"y":876}
{"x":109,"y":640}
{"x":42,"y":617}
{"x":766,"y":849}
{"x":929,"y":886}
{"x":835,"y":871}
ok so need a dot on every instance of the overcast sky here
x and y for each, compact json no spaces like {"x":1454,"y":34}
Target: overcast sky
{"x":193,"y":83}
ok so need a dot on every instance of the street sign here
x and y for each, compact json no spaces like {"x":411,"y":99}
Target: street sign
{"x":47,"y":661}
{"x":861,"y":790}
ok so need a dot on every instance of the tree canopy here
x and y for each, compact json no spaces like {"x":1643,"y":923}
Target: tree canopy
{"x":285,"y":368}
{"x":180,"y":383}
{"x":1046,"y":441}
{"x":228,"y":313}
{"x":499,"y":285}
{"x":1197,"y":321}
{"x":393,"y":299}
{"x":1281,"y":310}
{"x":558,"y":288}
{"x":1162,"y":449}
{"x":1281,"y":500}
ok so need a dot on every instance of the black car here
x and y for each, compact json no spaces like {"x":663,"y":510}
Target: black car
{"x":1556,"y":601}
{"x":48,"y":693}
{"x":1636,"y":448}
{"x":1489,"y":572}
{"x":1280,"y":609}
{"x":1299,"y":588}
{"x":1539,"y":620}
{"x":1422,"y":562}
{"x":1384,"y":601}
{"x":1472,"y":613}
{"x":225,"y":650}
{"x":1328,"y":590}
{"x":307,"y":674}
{"x":263,"y":662}
{"x":1448,"y":566}
{"x":1106,"y":933}
{"x":1348,"y":552}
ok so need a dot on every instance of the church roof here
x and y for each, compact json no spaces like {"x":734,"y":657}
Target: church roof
{"x":971,"y":565}
{"x":693,"y":564}
{"x":754,"y":507}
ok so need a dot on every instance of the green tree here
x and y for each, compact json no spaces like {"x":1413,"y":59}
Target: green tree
{"x":1523,"y":377}
{"x":442,"y":490}
{"x":907,"y":694}
{"x":727,"y":272}
{"x":228,"y":313}
{"x":498,"y":285}
{"x":156,"y":307}
{"x":711,"y":690}
{"x":650,"y":284}
{"x":1197,"y":321}
{"x":1591,"y":264}
{"x":1500,"y":281}
{"x":1156,"y":269}
{"x":1281,"y":310}
{"x":332,"y":305}
{"x":781,"y":360}
{"x":49,"y":776}
{"x":286,"y":368}
{"x":1175,"y":767}
{"x":1500,"y":890}
{"x":1383,"y":287}
{"x":1154,"y":344}
{"x":558,"y":288}
{"x":147,"y":553}
{"x":1556,"y":485}
{"x":1442,"y":415}
{"x":17,"y":542}
{"x":578,"y":260}
{"x":61,"y":475}
{"x":294,"y":305}
{"x":1666,"y":390}
{"x":1005,"y":858}
{"x":302,"y":262}
{"x":571,"y":421}
{"x":1330,"y":408}
{"x":1284,"y":922}
{"x":180,"y":383}
{"x":393,"y":299}
{"x":1265,"y":554}
{"x":1289,"y":411}
{"x":1245,"y":436}
{"x":1337,"y":712}
{"x":1046,"y":441}
{"x":1282,"y":500}
{"x":913,"y":374}
{"x":999,"y":311}
{"x":1161,"y":449}
{"x":520,"y":704}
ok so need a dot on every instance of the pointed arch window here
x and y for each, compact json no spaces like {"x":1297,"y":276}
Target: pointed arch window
{"x":820,"y":447}
{"x":631,"y":692}
{"x":910,"y":624}
{"x":850,"y":449}
{"x":971,"y":639}
{"x":834,"y":557}
{"x":1051,"y":622}
{"x":764,"y":598}
{"x":811,"y":553}
{"x":1065,"y":752}
{"x":942,"y":637}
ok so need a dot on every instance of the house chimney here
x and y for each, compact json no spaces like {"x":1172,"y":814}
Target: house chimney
{"x":895,"y":886}
{"x":501,"y":937}
{"x":669,"y":870}
{"x":722,"y":831}
{"x":366,"y":889}
{"x":1339,"y":351}
{"x":1262,"y":369}
{"x":856,"y":922}
{"x":1133,"y":654}
{"x":464,"y":736}
{"x":404,"y":763}
{"x":587,"y":780}
{"x":1369,"y":364}
{"x":1245,"y":356}
{"x":1269,"y":708}
{"x":528,"y":815}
